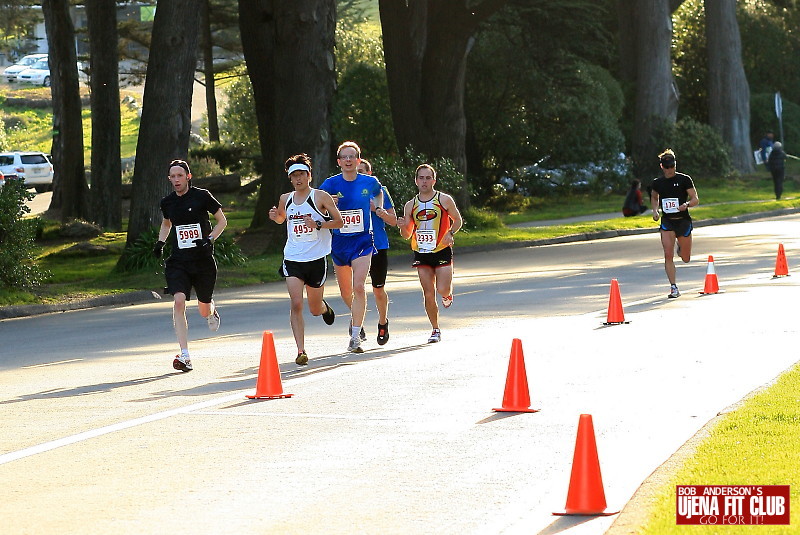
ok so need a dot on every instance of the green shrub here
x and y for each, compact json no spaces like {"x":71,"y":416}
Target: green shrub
{"x":228,"y":157}
{"x":139,"y":257}
{"x":18,"y":268}
{"x":507,"y":201}
{"x":397,"y":174}
{"x":203,"y":167}
{"x":699,"y":149}
{"x":480,"y":219}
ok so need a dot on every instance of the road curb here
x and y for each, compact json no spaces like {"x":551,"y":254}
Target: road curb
{"x":129,"y":298}
{"x":144,"y":296}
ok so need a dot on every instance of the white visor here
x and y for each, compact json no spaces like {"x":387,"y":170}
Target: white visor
{"x":298,"y":167}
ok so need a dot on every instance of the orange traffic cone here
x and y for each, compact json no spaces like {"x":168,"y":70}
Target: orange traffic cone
{"x":615,"y":314}
{"x":516,"y":397}
{"x":268,"y":384}
{"x":586,"y":495}
{"x":712,"y":284}
{"x":781,"y":267}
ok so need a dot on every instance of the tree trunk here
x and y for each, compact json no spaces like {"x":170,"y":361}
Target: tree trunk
{"x":288,"y":47}
{"x":105,"y":195}
{"x":425,"y":46}
{"x":656,"y":91}
{"x":728,"y":91}
{"x":166,"y":110}
{"x":70,"y":191}
{"x":208,"y":70}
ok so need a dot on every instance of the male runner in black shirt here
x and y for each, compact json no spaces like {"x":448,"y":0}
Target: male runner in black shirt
{"x":191,"y":264}
{"x":674,"y":194}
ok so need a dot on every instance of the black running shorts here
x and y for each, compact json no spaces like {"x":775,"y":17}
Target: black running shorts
{"x":378,"y":268}
{"x":183,"y":275}
{"x":312,"y":273}
{"x":433,"y":260}
{"x":681,"y":227}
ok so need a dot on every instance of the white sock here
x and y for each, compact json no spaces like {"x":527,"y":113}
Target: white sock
{"x":185,"y":353}
{"x":355,"y":331}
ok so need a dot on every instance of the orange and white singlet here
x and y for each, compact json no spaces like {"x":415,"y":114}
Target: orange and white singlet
{"x":431,"y":222}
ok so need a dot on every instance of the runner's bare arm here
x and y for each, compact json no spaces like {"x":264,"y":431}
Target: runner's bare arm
{"x":329,"y":204}
{"x":406,"y":223}
{"x":654,"y":204}
{"x":449,"y":204}
{"x":692,"y":197}
{"x":163,"y":232}
{"x":219,"y":228}
{"x":278,"y":213}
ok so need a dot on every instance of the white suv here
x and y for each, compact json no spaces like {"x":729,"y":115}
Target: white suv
{"x":33,"y":167}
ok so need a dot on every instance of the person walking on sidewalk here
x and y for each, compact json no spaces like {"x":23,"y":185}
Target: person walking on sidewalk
{"x":673,"y":193}
{"x":352,"y":245}
{"x":379,"y":266}
{"x":191,"y":264}
{"x":431,"y":220}
{"x":776,"y":165}
{"x":309,"y":214}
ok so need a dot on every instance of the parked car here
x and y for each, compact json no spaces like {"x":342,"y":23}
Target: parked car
{"x":34,"y":168}
{"x":11,"y":73}
{"x":38,"y":73}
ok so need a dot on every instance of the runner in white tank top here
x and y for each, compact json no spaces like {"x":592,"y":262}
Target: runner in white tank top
{"x":304,"y":244}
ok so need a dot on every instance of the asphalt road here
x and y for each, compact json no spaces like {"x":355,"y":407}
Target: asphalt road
{"x":100,"y":435}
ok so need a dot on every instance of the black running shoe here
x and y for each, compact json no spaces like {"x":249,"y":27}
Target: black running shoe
{"x":329,"y":315}
{"x":383,"y":333}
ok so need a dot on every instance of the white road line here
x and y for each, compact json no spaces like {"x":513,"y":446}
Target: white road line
{"x":50,"y":364}
{"x":94,"y":433}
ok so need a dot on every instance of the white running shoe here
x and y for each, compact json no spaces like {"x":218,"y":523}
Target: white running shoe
{"x":673,"y":292}
{"x":355,"y":345}
{"x":447,"y":301}
{"x":182,"y":363}
{"x":213,"y":319}
{"x":436,"y":336}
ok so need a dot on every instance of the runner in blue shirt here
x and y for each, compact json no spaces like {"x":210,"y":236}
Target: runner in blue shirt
{"x":352,"y":246}
{"x":381,"y":216}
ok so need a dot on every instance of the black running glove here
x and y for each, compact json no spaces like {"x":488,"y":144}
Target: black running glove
{"x":205,"y":245}
{"x":158,"y":249}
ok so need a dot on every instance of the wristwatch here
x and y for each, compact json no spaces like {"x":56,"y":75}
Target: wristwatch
{"x":319,"y":225}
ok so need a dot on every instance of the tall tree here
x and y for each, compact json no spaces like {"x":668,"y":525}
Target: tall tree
{"x":656,"y":100}
{"x":166,"y":109}
{"x":70,"y":190}
{"x":425,"y":45}
{"x":106,"y":192}
{"x":728,"y":91}
{"x":207,"y":46}
{"x":288,"y":47}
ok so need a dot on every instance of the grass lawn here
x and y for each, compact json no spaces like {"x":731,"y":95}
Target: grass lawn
{"x":757,"y":443}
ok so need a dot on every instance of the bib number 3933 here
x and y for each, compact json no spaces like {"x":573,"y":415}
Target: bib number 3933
{"x":187,"y":234}
{"x":353,"y":221}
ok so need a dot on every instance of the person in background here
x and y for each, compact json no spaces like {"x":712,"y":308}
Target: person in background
{"x":775,"y":164}
{"x":381,"y":216}
{"x":766,"y":145}
{"x":633,"y":200}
